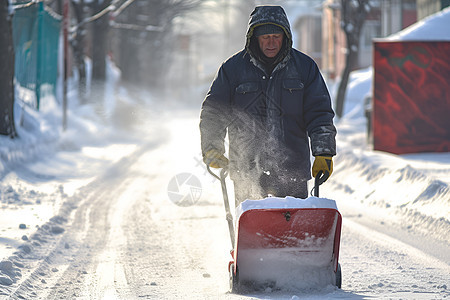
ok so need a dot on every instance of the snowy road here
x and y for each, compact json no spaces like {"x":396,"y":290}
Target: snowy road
{"x":125,"y":239}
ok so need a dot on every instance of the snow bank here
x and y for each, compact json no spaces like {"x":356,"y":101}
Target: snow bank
{"x":43,"y":165}
{"x":37,"y":134}
{"x":359,"y":87}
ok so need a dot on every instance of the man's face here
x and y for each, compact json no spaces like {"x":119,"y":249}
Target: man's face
{"x":270,"y":44}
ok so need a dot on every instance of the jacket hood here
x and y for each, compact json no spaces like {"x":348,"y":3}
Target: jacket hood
{"x":268,"y":14}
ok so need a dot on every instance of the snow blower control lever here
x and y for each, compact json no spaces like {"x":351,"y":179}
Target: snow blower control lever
{"x":318,"y":180}
{"x":229,"y":216}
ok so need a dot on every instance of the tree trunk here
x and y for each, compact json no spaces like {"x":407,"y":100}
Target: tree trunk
{"x":99,"y":43}
{"x":78,"y":51}
{"x":350,"y":59}
{"x":7,"y":72}
{"x":99,"y":52}
{"x":129,"y":56}
{"x":353,"y":15}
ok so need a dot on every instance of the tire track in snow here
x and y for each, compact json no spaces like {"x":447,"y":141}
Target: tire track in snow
{"x":110,"y":275}
{"x":76,"y":253}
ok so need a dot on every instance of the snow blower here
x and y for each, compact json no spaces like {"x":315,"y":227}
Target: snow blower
{"x":283,"y":243}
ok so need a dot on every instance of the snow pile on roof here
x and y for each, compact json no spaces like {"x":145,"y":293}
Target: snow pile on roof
{"x":433,"y":28}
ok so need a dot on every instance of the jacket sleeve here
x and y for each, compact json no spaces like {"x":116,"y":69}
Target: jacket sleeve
{"x":319,"y":114}
{"x":214,"y":114}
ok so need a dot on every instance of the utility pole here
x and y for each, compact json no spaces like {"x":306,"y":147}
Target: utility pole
{"x":66,"y":58}
{"x":226,"y":23}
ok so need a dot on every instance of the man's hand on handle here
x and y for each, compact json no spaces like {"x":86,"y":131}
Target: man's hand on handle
{"x":215,"y":159}
{"x":324,"y":164}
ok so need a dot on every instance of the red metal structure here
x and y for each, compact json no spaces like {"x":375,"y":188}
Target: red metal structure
{"x":411,"y":103}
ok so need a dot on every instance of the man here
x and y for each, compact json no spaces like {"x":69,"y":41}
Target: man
{"x":270,"y":98}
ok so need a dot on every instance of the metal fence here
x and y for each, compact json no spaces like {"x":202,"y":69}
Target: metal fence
{"x":36,"y":33}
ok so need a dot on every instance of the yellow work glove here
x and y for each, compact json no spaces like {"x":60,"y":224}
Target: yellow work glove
{"x":215,"y":159}
{"x":324,"y":164}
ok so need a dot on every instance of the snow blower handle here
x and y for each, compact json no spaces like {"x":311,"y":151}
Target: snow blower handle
{"x":229,"y":216}
{"x":318,"y":180}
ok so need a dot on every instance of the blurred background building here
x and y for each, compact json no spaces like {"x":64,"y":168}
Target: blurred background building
{"x":180,"y":44}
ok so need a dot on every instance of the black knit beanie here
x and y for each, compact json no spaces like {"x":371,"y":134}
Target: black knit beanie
{"x":267,"y":29}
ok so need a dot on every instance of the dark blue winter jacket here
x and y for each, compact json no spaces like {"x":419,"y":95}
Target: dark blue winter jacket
{"x":268,"y":117}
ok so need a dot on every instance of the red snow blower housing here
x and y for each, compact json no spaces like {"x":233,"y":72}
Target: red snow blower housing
{"x":285,"y":243}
